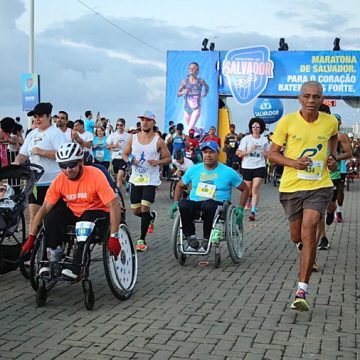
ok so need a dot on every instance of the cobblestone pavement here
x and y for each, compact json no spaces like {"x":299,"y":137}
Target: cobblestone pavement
{"x":191,"y":312}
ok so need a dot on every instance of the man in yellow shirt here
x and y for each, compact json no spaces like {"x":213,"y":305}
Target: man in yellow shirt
{"x":310,"y":139}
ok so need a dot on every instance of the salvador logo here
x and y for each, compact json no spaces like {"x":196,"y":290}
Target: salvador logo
{"x":247,"y":71}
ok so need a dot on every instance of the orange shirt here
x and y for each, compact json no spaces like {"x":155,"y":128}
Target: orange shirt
{"x":90,"y":192}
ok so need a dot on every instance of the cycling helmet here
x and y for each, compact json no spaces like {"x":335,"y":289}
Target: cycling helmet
{"x":68,"y":152}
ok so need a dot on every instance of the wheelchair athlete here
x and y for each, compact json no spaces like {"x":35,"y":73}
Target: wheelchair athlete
{"x":78,"y":193}
{"x":181,"y":163}
{"x":211,"y":185}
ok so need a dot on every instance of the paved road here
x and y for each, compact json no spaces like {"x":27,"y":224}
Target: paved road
{"x":234,"y":312}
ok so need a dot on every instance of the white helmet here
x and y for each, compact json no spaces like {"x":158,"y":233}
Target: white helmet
{"x":350,"y":135}
{"x":68,"y":152}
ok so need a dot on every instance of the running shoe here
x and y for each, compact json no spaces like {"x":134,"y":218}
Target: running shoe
{"x":300,"y":302}
{"x":338,"y":217}
{"x":141,"y":246}
{"x":330,"y":218}
{"x":69,"y":274}
{"x":324,"y":243}
{"x":248,"y":204}
{"x":315,"y":267}
{"x":153,"y":217}
{"x":204,"y":246}
{"x":252,"y":216}
{"x":299,"y":246}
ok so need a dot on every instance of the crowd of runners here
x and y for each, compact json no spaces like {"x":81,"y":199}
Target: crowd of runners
{"x":315,"y":159}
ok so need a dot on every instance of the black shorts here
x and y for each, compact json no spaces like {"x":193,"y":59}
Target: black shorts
{"x":142,"y":195}
{"x":119,"y":164}
{"x":40,"y":192}
{"x":250,"y":174}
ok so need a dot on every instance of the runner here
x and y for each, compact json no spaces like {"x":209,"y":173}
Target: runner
{"x":305,"y":188}
{"x":148,"y":151}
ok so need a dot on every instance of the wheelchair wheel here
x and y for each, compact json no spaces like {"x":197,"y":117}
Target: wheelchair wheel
{"x":37,"y":255}
{"x":234,"y":236}
{"x":20,"y":236}
{"x":41,"y":296}
{"x":182,"y":259}
{"x":217,"y":259}
{"x":173,"y":184}
{"x":89,"y":297}
{"x":121,"y":273}
{"x":175,"y":236}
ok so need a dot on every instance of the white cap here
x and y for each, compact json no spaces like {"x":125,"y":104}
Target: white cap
{"x":350,"y":135}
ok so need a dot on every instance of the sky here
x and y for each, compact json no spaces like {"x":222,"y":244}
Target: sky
{"x":110,"y":56}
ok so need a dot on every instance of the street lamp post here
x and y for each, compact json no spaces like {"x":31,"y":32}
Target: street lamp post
{"x":31,"y":48}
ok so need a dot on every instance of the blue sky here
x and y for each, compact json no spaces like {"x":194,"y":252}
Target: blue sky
{"x":87,"y":63}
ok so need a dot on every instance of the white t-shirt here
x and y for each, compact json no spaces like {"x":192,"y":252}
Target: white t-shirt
{"x":120,"y":140}
{"x":256,"y":158}
{"x":87,"y":136}
{"x":184,"y":166}
{"x":68,"y":135}
{"x":50,"y":139}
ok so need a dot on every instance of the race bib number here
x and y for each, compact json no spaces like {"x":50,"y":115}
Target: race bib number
{"x":312,"y":172}
{"x":142,"y":179}
{"x":205,"y":190}
{"x":188,"y":154}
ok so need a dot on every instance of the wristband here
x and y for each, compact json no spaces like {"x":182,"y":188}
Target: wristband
{"x":333,"y":156}
{"x":115,"y":235}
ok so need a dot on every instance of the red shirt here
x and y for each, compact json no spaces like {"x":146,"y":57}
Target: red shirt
{"x":212,"y":138}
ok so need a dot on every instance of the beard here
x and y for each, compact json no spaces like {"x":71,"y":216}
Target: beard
{"x":146,"y":130}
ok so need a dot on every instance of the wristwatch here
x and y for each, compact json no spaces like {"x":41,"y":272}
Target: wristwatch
{"x":333,"y":156}
{"x":115,"y":235}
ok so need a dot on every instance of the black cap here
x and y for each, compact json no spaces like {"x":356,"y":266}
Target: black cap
{"x":41,"y":109}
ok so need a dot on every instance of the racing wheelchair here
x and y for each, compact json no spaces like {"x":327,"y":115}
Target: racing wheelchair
{"x":120,"y":272}
{"x":224,"y":223}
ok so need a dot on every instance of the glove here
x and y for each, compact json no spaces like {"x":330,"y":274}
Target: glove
{"x":28,"y":244}
{"x":173,"y":209}
{"x":114,"y":246}
{"x":239,"y":214}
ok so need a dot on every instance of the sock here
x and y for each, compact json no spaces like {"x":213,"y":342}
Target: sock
{"x":303,"y":286}
{"x":338,"y":208}
{"x":145,"y":222}
{"x":253,"y":209}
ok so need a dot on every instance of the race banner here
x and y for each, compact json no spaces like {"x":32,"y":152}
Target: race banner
{"x":30,"y":91}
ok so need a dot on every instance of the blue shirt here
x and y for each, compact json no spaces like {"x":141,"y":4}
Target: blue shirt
{"x":100,"y":151}
{"x":89,"y":125}
{"x":178,"y":144}
{"x":223,"y":177}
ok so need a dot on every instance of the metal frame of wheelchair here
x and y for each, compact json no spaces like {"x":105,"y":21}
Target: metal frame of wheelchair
{"x":120,"y":273}
{"x":231,"y":233}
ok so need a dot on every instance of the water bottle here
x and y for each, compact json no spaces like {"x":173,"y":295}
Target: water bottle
{"x":216,"y":233}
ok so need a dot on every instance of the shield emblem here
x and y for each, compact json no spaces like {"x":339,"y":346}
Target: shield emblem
{"x":247,"y":71}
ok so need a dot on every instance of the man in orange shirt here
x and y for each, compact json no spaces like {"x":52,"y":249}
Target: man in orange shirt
{"x":78,"y":193}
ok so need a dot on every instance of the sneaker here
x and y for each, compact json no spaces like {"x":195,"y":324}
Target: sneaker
{"x":324,"y":243}
{"x":141,"y":246}
{"x":69,"y":273}
{"x":330,"y":218}
{"x":338,"y":217}
{"x":300,"y":302}
{"x":248,"y":204}
{"x":252,"y":216}
{"x":315,"y":267}
{"x":193,"y":243}
{"x":299,"y":246}
{"x":44,"y":271}
{"x":151,"y":226}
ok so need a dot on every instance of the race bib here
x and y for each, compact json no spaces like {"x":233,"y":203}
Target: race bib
{"x":142,"y":179}
{"x":99,"y":154}
{"x":312,"y":172}
{"x":205,"y":190}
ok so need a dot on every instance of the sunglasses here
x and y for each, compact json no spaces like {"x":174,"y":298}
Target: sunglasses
{"x":255,"y":126}
{"x":70,"y":165}
{"x":2,"y":189}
